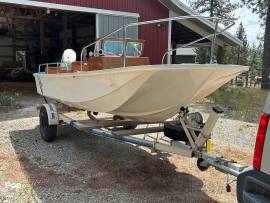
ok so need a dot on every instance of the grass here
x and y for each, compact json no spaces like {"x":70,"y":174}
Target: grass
{"x":240,"y":103}
{"x":8,"y":99}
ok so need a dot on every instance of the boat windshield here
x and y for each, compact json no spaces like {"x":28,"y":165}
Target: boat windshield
{"x":115,"y":47}
{"x":134,"y":49}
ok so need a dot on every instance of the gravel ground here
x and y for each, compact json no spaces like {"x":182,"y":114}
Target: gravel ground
{"x":81,"y":168}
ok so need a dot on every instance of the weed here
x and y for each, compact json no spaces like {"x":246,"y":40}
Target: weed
{"x":8,"y":99}
{"x":241,"y":103}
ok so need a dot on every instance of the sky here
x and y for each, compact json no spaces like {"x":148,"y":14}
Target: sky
{"x":250,"y":21}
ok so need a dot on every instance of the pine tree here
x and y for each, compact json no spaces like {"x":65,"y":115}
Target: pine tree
{"x":202,"y":55}
{"x":243,"y":51}
{"x":213,"y":8}
{"x":234,"y":55}
{"x":241,"y":34}
{"x":262,"y":8}
{"x":230,"y":55}
{"x":255,"y":60}
{"x":217,"y":8}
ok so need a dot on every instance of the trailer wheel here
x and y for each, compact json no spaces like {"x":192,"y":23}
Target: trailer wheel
{"x":202,"y":165}
{"x":47,"y":132}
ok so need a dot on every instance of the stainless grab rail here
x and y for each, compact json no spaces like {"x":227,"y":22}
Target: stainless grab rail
{"x":215,"y":19}
{"x":96,"y":41}
{"x":50,"y":64}
{"x":214,"y":35}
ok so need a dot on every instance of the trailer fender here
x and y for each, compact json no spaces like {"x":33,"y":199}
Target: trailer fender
{"x":53,"y":117}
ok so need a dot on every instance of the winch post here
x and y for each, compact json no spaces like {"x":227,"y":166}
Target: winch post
{"x":209,"y":125}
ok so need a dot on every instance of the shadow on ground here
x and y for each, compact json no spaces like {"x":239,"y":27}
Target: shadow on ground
{"x":81,"y":168}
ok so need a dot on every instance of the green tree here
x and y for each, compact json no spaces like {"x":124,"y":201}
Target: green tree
{"x":241,"y":34}
{"x":218,"y":8}
{"x":262,"y":8}
{"x":202,"y":55}
{"x":235,"y":55}
{"x":255,"y":60}
{"x":242,"y":54}
{"x":230,"y":55}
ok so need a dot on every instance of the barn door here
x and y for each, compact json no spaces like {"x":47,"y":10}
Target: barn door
{"x":108,"y":23}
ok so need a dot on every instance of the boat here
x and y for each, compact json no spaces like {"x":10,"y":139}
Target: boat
{"x":118,"y":80}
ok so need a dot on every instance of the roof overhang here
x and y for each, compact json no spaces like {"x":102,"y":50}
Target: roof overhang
{"x":63,"y":7}
{"x":202,"y":25}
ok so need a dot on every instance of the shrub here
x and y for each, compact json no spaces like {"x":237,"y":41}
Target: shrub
{"x":8,"y":99}
{"x":240,"y":103}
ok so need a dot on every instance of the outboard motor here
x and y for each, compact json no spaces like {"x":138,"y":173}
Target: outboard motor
{"x":68,"y":57}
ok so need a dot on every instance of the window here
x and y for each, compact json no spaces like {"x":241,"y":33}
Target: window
{"x":134,"y":49}
{"x":113,"y":48}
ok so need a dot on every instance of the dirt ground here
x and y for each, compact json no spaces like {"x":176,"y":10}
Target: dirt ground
{"x":28,"y":99}
{"x":81,"y":168}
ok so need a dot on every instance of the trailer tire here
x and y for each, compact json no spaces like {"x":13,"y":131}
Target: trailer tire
{"x":202,"y":167}
{"x":47,"y":132}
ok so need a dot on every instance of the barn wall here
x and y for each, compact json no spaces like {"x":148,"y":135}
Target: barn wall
{"x":107,"y":24}
{"x":156,"y":37}
{"x":6,"y":48}
{"x":6,"y":52}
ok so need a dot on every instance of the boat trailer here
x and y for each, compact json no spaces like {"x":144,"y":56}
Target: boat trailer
{"x":150,"y":135}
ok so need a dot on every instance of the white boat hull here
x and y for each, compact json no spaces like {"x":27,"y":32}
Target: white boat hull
{"x":144,"y":93}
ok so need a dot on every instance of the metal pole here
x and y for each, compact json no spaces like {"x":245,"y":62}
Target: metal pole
{"x":81,"y":57}
{"x":125,"y":46}
{"x":213,"y":43}
{"x":198,"y":40}
{"x":169,"y":42}
{"x":173,"y":18}
{"x":93,"y":43}
{"x":153,"y":22}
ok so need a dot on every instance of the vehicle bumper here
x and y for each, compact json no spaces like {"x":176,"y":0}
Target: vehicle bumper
{"x":253,"y":187}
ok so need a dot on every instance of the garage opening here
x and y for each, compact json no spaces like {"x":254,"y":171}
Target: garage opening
{"x":31,"y":36}
{"x":180,"y":36}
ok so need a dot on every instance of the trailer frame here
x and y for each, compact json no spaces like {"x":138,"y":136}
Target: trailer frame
{"x":197,"y":147}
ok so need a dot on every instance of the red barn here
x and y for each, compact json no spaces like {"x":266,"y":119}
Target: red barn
{"x":38,"y":31}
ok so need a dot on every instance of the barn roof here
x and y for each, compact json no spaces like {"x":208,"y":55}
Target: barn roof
{"x":179,"y":8}
{"x":65,"y":7}
{"x":200,"y":26}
